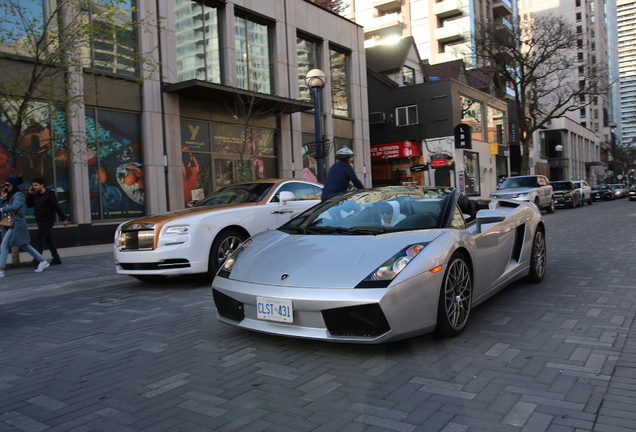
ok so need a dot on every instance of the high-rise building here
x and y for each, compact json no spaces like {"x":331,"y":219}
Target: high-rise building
{"x":626,"y":29}
{"x":441,"y":30}
{"x":581,"y":159}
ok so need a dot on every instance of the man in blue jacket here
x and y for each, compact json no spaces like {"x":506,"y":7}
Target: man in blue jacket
{"x":45,"y":205}
{"x":340,"y":174}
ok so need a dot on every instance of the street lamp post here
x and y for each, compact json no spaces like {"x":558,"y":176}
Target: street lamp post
{"x":316,"y":81}
{"x":559,"y":150}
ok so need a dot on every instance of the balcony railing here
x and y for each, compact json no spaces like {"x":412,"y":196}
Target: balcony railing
{"x":456,"y":29}
{"x":448,"y":8}
{"x":501,"y":8}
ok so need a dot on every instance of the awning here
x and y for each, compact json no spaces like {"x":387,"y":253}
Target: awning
{"x":399,"y":149}
{"x":210,"y":92}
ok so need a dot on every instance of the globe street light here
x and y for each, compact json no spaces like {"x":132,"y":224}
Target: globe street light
{"x":316,"y":81}
{"x":559,"y":150}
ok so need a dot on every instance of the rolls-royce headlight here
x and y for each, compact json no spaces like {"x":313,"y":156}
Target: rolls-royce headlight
{"x":181,"y":229}
{"x":382,"y":276}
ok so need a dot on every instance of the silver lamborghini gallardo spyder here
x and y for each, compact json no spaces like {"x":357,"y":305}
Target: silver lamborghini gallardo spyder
{"x":379,"y":265}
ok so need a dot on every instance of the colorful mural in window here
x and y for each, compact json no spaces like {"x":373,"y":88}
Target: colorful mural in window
{"x":41,"y":151}
{"x":237,"y":153}
{"x":116,"y":177}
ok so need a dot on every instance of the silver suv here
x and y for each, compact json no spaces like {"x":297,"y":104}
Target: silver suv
{"x":531,"y":188}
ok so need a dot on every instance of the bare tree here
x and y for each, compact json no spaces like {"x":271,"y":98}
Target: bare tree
{"x":538,"y":58}
{"x":43,"y":43}
{"x":337,"y":6}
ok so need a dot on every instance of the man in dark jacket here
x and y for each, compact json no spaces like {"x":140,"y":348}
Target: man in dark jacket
{"x":45,"y":205}
{"x":340,"y":174}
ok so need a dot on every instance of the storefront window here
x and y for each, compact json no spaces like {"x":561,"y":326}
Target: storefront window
{"x":339,"y":83}
{"x":472,"y":115}
{"x":116,"y":177}
{"x":496,"y":125}
{"x":252,"y":55}
{"x":41,"y":151}
{"x":310,"y":169}
{"x":197,"y":35}
{"x":307,"y":51}
{"x":471,"y":173}
{"x":217,"y":154}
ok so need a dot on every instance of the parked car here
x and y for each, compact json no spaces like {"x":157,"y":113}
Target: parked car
{"x":566,"y":194}
{"x":531,"y":188}
{"x":603,"y":192}
{"x":337,"y":273}
{"x":198,"y":239}
{"x":586,"y":191}
{"x":632,"y":193}
{"x":620,"y":190}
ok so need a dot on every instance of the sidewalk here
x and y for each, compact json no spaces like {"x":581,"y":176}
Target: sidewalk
{"x":78,"y":263}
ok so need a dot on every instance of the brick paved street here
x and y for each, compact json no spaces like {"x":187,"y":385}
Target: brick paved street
{"x":119,"y":355}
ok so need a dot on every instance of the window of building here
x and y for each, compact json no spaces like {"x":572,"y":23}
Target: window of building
{"x":406,"y":115}
{"x":580,"y":56}
{"x":581,"y":71}
{"x":593,"y":59}
{"x":113,"y":44}
{"x":596,"y":127}
{"x":579,"y":29}
{"x":42,"y":151}
{"x":307,"y":51}
{"x":591,"y":6}
{"x":596,"y":113}
{"x":578,"y":3}
{"x":471,"y":114}
{"x":584,"y":124}
{"x":582,"y":98}
{"x":115,"y":164}
{"x":578,"y":17}
{"x":471,"y":173}
{"x":495,"y":124}
{"x":593,"y":46}
{"x":579,"y":43}
{"x":408,"y":75}
{"x":219,"y":154}
{"x":582,"y":112}
{"x":253,"y":60}
{"x":339,"y":67}
{"x":197,"y":37}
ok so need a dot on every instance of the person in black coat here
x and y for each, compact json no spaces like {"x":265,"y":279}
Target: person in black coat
{"x":340,"y":174}
{"x":45,"y":205}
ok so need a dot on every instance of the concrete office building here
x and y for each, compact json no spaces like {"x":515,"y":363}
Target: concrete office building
{"x":441,"y":29}
{"x":228,"y":103}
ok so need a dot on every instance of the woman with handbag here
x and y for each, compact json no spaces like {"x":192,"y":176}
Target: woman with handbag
{"x":12,"y":204}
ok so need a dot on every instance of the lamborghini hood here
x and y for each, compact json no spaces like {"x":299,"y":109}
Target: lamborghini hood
{"x":319,"y":261}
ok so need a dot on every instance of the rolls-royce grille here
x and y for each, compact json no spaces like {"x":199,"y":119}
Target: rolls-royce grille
{"x":364,"y":321}
{"x":228,"y":307}
{"x":137,"y":240}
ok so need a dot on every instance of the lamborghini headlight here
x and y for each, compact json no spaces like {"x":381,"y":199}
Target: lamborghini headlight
{"x":227,"y":266}
{"x":382,"y":276}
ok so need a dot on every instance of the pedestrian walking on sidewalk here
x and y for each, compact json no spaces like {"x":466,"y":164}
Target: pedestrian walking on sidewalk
{"x":45,"y":205}
{"x":12,"y":201}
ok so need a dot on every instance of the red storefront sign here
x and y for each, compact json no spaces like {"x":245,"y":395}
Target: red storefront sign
{"x":438,"y":163}
{"x":400,"y":149}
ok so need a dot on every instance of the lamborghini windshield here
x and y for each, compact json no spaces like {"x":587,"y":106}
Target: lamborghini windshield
{"x":375,"y":211}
